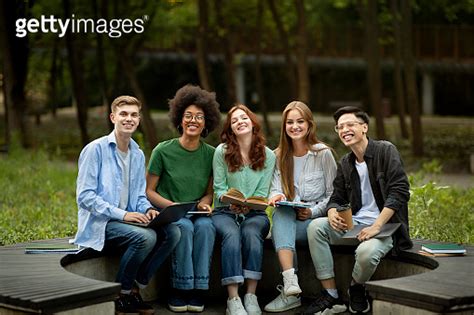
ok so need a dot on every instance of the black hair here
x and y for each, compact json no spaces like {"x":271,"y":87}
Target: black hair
{"x":359,"y":113}
{"x":193,"y":95}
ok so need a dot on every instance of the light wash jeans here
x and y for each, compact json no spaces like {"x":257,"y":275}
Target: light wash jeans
{"x":367,"y":255}
{"x":191,"y":259}
{"x":144,"y":250}
{"x":287,"y":230}
{"x":241,"y":244}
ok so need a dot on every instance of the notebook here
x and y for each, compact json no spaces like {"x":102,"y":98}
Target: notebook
{"x":294,"y":204}
{"x":167,"y":215}
{"x":387,"y":230}
{"x":445,"y":248}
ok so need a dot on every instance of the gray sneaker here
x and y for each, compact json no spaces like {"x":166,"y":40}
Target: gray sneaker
{"x":283,"y":302}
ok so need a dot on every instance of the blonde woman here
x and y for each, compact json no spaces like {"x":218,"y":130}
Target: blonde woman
{"x":304,"y":173}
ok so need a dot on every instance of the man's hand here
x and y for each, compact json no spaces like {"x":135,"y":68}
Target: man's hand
{"x":276,"y":198}
{"x":152,"y":213}
{"x":336,"y":221}
{"x":303,"y":213}
{"x":368,"y":232}
{"x":136,"y":217}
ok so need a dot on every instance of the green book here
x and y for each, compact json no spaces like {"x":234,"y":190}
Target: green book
{"x":446,"y":248}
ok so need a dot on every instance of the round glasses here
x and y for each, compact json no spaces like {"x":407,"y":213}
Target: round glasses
{"x":349,"y":124}
{"x":189,"y":117}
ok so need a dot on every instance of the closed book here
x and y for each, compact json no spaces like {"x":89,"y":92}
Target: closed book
{"x":294,"y":204}
{"x":446,"y":248}
{"x":51,"y":248}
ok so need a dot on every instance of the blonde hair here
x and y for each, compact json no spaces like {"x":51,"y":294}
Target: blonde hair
{"x":125,"y":100}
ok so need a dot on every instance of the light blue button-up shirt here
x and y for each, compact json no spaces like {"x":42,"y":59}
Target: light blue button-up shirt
{"x":99,"y":183}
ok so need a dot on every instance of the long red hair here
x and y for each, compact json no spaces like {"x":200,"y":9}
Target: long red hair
{"x":232,"y":156}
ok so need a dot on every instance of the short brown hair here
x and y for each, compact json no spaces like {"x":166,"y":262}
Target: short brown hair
{"x":125,"y":100}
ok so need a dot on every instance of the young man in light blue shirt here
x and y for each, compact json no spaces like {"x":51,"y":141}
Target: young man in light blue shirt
{"x":110,"y":189}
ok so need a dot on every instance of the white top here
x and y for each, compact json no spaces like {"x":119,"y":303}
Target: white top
{"x":314,"y":184}
{"x":369,"y":211}
{"x":298,"y":164}
{"x":124,"y":162}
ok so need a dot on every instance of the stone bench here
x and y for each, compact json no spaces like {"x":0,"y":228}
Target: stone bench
{"x":409,"y":283}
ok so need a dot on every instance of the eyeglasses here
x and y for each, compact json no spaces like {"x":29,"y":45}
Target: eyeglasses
{"x":349,"y":124}
{"x":189,"y":117}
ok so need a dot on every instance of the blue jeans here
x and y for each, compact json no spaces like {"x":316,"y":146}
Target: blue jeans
{"x":367,"y":256}
{"x":144,"y":250}
{"x":241,"y":244}
{"x":287,"y":230}
{"x":191,"y":259}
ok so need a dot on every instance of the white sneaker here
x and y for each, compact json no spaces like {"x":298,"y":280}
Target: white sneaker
{"x":251,"y":304}
{"x":235,"y":307}
{"x":290,"y":285}
{"x":283,"y":302}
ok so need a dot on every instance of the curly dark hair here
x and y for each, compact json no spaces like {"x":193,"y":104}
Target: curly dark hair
{"x":193,"y":95}
{"x":233,"y":157}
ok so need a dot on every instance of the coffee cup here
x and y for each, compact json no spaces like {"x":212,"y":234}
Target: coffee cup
{"x":346,"y":214}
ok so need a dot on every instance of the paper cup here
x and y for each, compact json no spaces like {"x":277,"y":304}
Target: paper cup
{"x":346,"y":214}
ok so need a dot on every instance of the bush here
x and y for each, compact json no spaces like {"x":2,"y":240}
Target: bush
{"x":441,"y":213}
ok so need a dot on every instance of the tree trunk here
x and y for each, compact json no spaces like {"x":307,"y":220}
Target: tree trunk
{"x":374,"y":80}
{"x":15,"y":69}
{"x":410,"y":79}
{"x":302,"y":55}
{"x":103,"y":85}
{"x":258,"y":70}
{"x":146,"y":122}
{"x":227,"y":44}
{"x":397,"y":71}
{"x":76,"y":68}
{"x":201,"y":43}
{"x":285,"y":42}
{"x":53,"y":73}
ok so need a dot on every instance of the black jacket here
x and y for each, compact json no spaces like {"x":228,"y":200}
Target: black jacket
{"x":389,"y":184}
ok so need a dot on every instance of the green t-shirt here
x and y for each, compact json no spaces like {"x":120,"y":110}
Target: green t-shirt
{"x":184,"y":175}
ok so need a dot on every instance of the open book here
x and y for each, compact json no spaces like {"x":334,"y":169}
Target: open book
{"x":235,"y":197}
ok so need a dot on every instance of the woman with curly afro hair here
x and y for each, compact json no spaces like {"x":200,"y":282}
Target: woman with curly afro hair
{"x":180,"y":170}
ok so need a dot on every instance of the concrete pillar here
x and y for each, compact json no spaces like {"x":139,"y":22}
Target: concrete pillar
{"x":240,"y":82}
{"x":428,"y":94}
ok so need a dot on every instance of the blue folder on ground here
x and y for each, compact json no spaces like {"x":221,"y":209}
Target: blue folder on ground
{"x":167,"y":215}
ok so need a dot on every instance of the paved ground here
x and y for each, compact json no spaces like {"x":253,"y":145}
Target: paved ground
{"x":218,"y":307}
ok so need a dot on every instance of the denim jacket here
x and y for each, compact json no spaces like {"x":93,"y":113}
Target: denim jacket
{"x":315,"y":181}
{"x":389,"y":184}
{"x":98,"y":189}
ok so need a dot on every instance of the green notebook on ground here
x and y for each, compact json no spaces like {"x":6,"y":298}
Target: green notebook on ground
{"x":443,"y":248}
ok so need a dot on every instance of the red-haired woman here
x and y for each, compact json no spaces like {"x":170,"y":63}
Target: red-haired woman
{"x":241,"y":161}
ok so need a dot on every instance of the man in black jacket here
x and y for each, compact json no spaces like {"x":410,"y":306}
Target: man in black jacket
{"x":371,"y":179}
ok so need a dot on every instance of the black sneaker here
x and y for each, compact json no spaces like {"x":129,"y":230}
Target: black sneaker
{"x":359,"y":300}
{"x":124,"y":304}
{"x":196,"y":302}
{"x":178,"y":302}
{"x":327,"y":304}
{"x":140,"y":305}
